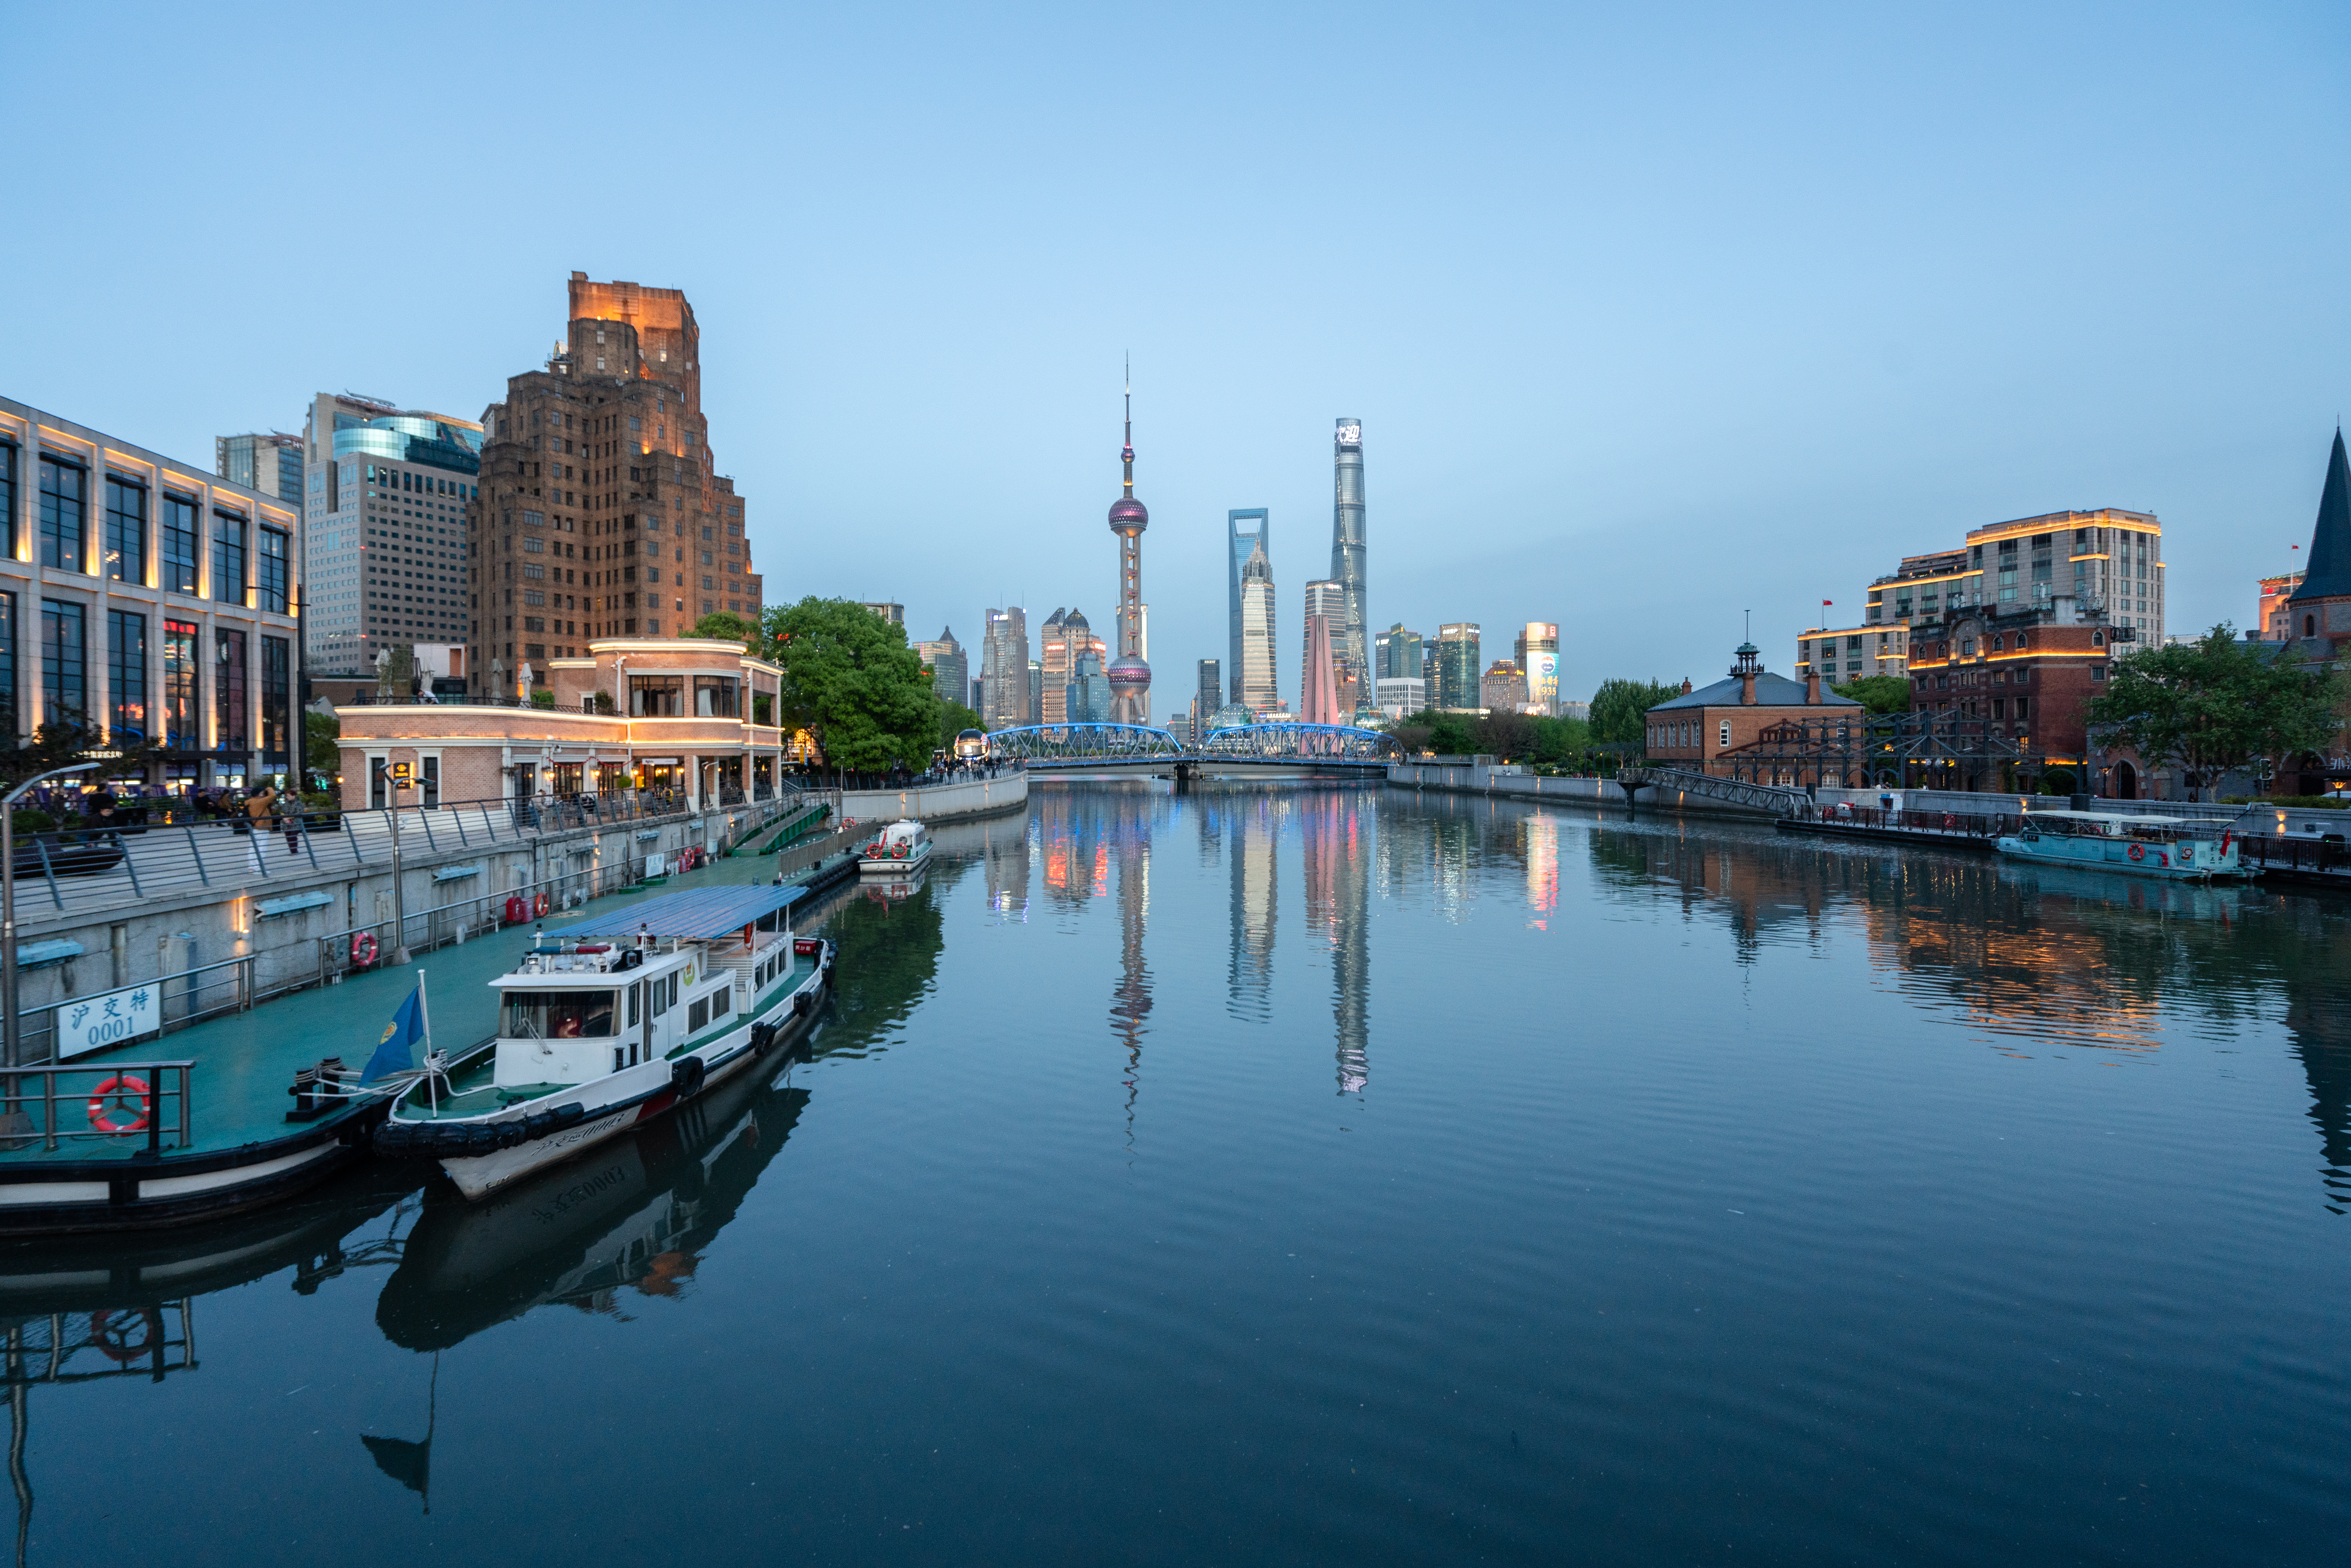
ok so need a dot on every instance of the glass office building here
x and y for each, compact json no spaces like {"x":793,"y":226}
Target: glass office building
{"x":1248,"y":531}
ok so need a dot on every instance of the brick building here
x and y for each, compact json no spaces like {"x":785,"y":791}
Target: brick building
{"x":601,"y":513}
{"x":1698,"y":728}
{"x":2029,"y":673}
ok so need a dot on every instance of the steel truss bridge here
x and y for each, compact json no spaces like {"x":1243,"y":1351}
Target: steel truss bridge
{"x":1262,"y":749}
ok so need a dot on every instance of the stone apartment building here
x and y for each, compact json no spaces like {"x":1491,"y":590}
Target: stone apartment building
{"x":601,"y":513}
{"x":2029,"y":673}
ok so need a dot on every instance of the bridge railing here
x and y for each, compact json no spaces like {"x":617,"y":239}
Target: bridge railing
{"x":1059,"y":742}
{"x":1305,"y":742}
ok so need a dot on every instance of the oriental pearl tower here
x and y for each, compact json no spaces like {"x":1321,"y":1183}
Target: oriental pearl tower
{"x":1130,"y":677}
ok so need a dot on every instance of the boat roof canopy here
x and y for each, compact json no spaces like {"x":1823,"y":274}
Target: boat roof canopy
{"x":696,"y":914}
{"x":2143,"y":819}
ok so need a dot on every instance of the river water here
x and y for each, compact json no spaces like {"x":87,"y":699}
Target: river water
{"x":1302,"y":1174}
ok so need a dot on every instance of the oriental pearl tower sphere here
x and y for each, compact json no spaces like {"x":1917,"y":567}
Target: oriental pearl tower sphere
{"x":1130,"y":677}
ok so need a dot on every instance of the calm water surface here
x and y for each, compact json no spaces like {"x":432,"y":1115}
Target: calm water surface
{"x":1314,"y":1175}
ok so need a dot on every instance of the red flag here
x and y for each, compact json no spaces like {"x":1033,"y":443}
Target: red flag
{"x":1826,"y":602}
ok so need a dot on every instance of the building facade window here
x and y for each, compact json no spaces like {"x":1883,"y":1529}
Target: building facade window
{"x":9,"y":712}
{"x":228,"y":557}
{"x":714,"y":696}
{"x":273,"y":572}
{"x":229,"y":690}
{"x":64,"y":511}
{"x":126,"y":679}
{"x":8,"y":495}
{"x":656,"y":697}
{"x":182,"y":546}
{"x":125,"y":556}
{"x":277,"y":694}
{"x":64,"y":686}
{"x":182,"y":729}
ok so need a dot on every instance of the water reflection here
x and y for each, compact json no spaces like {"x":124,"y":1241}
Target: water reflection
{"x":1335,"y":828}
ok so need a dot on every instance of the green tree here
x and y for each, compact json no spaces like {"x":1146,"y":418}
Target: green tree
{"x":1878,"y":694}
{"x":1559,"y":740}
{"x":2217,"y":704}
{"x":954,"y":719}
{"x":851,"y":682}
{"x":322,"y":751}
{"x":723,"y":627}
{"x":1619,"y":708}
{"x":1446,"y":734}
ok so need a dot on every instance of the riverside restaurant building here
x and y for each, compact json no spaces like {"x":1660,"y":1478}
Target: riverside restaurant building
{"x":691,"y":717}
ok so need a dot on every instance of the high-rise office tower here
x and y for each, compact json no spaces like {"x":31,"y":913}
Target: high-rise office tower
{"x":1536,"y":653}
{"x":1004,"y":669}
{"x":1325,"y":600}
{"x":1318,"y":697}
{"x":1249,"y":530}
{"x":1397,"y":655}
{"x":1456,"y":665}
{"x":1257,"y":687}
{"x":387,"y":494}
{"x":1348,"y":644}
{"x":1053,"y":660}
{"x":1085,"y":696}
{"x":1129,"y":673}
{"x":602,"y":513}
{"x":950,"y":668}
{"x":1208,"y":698}
{"x":895,"y":614}
{"x":269,"y":464}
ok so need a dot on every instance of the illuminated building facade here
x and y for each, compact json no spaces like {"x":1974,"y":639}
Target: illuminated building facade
{"x":2271,"y":617}
{"x":2108,"y":560}
{"x":950,"y":667}
{"x":1084,"y":696}
{"x":1065,"y":637}
{"x":1502,"y":688}
{"x":1004,"y":671}
{"x":1397,"y":655}
{"x":1457,"y":667}
{"x":2029,"y":673}
{"x":1348,"y":562}
{"x":1256,"y":687}
{"x":1318,"y":697}
{"x":1209,"y":697}
{"x":148,"y":600}
{"x":1247,"y":532}
{"x":601,"y":511}
{"x":1536,"y":653}
{"x":1844,"y":654}
{"x":1130,"y":672}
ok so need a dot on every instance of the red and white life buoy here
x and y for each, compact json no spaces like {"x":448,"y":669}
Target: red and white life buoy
{"x":120,"y":1085}
{"x":363,"y":948}
{"x":540,"y":905}
{"x":1951,"y":819}
{"x":2138,"y":852}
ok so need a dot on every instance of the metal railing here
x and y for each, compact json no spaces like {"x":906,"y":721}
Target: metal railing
{"x":130,"y":1094}
{"x":2269,"y":852}
{"x":74,"y":871}
{"x":135,"y":1342}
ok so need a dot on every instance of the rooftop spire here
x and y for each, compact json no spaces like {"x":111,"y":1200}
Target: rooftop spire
{"x":1127,"y":452}
{"x":2327,"y":574}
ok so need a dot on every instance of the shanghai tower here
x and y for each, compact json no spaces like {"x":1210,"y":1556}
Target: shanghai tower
{"x":1130,"y":677}
{"x":1349,"y":648}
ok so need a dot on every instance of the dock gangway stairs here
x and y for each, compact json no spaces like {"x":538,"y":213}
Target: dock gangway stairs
{"x":1777,"y":799}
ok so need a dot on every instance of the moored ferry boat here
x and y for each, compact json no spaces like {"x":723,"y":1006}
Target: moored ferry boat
{"x":610,"y":1024}
{"x":2175,"y":848}
{"x":901,"y":849}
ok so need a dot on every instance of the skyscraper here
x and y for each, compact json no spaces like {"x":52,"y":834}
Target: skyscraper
{"x":1536,"y":653}
{"x":1084,"y":697}
{"x":269,"y":464}
{"x":1208,"y":698}
{"x":1130,"y":675}
{"x":1324,"y":601}
{"x":1004,"y":669}
{"x":895,"y":614}
{"x":1053,"y":660}
{"x":1248,"y":530}
{"x":386,"y":502}
{"x":1456,"y":665}
{"x":602,"y":461}
{"x":1347,"y":553}
{"x":1397,"y":655}
{"x":950,"y":668}
{"x":1257,"y":686}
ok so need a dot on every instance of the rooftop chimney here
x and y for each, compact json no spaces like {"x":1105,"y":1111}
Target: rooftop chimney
{"x":1813,"y":689}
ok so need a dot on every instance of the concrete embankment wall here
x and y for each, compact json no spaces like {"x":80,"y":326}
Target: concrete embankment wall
{"x":181,"y":941}
{"x":1508,"y":782}
{"x":982,"y":797}
{"x":1984,"y":803}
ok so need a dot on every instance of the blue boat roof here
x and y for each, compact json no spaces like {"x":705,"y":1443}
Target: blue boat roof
{"x":697,"y":913}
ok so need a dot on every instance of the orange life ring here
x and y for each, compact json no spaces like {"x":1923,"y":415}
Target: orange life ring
{"x":539,"y":906}
{"x":116,"y":1347}
{"x":2138,"y":852}
{"x":897,"y":852}
{"x":1951,"y":819}
{"x":121,"y":1084}
{"x":362,"y":948}
{"x":517,"y":910}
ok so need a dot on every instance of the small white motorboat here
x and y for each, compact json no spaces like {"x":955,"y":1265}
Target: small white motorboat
{"x":900,"y":850}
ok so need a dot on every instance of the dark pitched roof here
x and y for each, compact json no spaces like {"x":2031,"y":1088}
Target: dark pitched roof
{"x":1771,"y":691}
{"x":2328,"y":575}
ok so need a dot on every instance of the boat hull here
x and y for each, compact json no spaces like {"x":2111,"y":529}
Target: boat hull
{"x":880,"y":868}
{"x":2178,"y":861}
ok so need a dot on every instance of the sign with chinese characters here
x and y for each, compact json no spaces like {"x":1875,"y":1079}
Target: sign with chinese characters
{"x":92,"y":1023}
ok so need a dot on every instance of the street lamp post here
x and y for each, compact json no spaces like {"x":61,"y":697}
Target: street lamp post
{"x":8,"y":1040}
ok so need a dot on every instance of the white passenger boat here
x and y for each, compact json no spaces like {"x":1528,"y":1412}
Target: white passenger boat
{"x":901,"y":849}
{"x":2181,"y":848}
{"x":610,"y":1024}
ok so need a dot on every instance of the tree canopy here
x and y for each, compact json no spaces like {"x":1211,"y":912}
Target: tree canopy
{"x":1878,"y":694}
{"x":725,"y":627}
{"x":1619,"y":708}
{"x":851,"y":682}
{"x":954,"y":719}
{"x":2216,"y":705}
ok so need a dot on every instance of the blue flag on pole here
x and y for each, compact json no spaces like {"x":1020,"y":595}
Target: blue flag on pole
{"x":396,"y":1051}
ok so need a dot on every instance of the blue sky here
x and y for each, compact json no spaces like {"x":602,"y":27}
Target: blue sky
{"x":1650,"y":319}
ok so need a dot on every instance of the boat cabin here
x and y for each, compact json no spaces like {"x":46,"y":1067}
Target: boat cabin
{"x":593,"y":1000}
{"x":2120,"y":825}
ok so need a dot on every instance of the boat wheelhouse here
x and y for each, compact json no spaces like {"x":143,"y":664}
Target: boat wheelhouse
{"x":899,"y":850}
{"x":609,"y":1023}
{"x":2187,"y":849}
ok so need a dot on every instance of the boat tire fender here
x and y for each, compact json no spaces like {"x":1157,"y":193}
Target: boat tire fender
{"x":685,"y":1077}
{"x":803,"y":1004}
